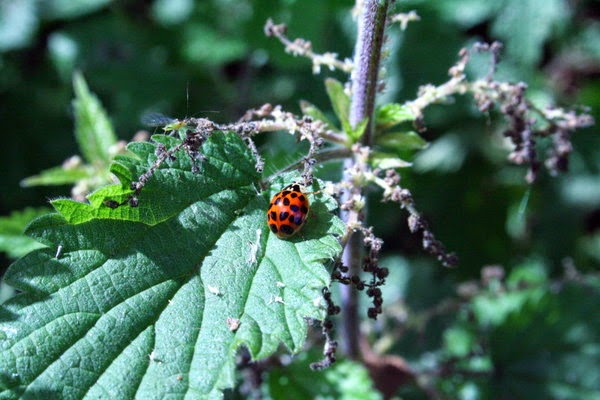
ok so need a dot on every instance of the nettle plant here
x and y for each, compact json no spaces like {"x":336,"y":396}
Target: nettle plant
{"x":152,"y":286}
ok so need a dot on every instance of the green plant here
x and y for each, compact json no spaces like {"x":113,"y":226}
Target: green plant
{"x":152,"y":286}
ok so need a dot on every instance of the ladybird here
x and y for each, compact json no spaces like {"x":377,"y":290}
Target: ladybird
{"x":288,"y":211}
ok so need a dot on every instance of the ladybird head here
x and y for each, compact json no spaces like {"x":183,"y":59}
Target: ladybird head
{"x":295,"y":187}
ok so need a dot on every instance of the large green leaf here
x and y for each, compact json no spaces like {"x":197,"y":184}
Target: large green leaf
{"x":154,"y":301}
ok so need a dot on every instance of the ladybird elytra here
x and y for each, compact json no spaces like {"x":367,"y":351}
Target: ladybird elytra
{"x":287,"y":211}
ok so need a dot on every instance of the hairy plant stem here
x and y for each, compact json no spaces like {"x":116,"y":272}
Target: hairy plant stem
{"x":367,"y":57}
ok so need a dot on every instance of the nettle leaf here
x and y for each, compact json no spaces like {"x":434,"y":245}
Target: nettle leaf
{"x":315,"y":113}
{"x":392,"y":114}
{"x":386,"y":160}
{"x":154,"y":301}
{"x":340,"y":102}
{"x":402,"y":141}
{"x":93,"y":129}
{"x":359,"y":130}
{"x":59,"y":176}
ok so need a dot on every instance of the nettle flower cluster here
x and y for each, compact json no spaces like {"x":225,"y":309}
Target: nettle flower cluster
{"x":526,"y":124}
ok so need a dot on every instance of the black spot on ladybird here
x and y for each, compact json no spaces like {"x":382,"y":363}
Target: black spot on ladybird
{"x":295,"y":208}
{"x":294,"y":195}
{"x":286,"y":201}
{"x":283,"y":215}
{"x":295,"y":219}
{"x":302,"y":198}
{"x":273,"y":215}
{"x":304,"y":210}
{"x":288,"y":230}
{"x":285,"y":193}
{"x":277,"y":201}
{"x":273,"y":228}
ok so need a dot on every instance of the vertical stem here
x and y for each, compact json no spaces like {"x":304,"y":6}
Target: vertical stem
{"x":367,"y":56}
{"x":350,"y":258}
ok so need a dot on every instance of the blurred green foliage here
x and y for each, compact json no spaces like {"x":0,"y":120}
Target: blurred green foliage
{"x":345,"y":380}
{"x":211,"y":58}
